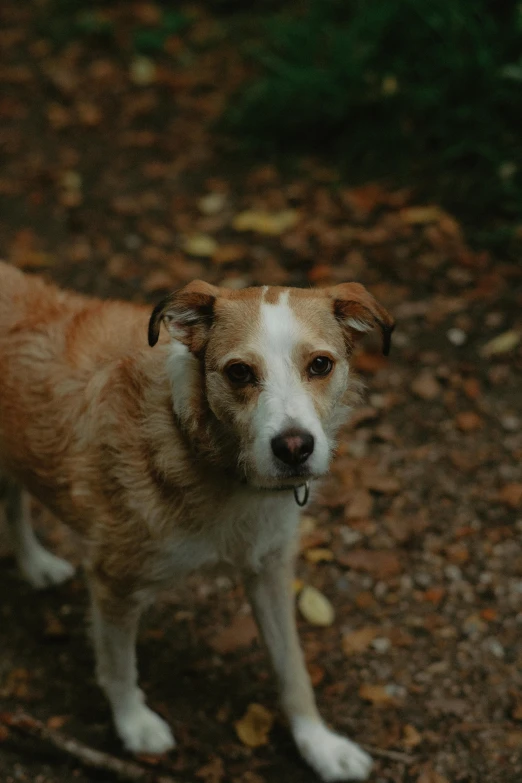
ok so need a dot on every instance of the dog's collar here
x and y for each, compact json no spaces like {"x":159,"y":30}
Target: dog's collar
{"x":302,"y":500}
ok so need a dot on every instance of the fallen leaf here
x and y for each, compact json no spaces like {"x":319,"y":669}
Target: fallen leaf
{"x":316,"y":673}
{"x":359,"y":641}
{"x":319,"y":555}
{"x":142,"y":71}
{"x":270,"y":223}
{"x":54,"y":628}
{"x":426,"y":386}
{"x":57,"y":721}
{"x":4,"y":733}
{"x":240,"y":633}
{"x":415,"y":216}
{"x":378,"y":695}
{"x":213,"y":772}
{"x":435,"y":595}
{"x":360,"y":506}
{"x":229,"y":254}
{"x":254,"y":727}
{"x":511,"y":495}
{"x":369,"y":363}
{"x":410,"y":737}
{"x":514,"y":739}
{"x":503,"y":343}
{"x":315,"y":607}
{"x":381,"y":564}
{"x":201,"y":245}
{"x":429,"y":775}
{"x":468,"y":421}
{"x":383,"y":485}
{"x":212,"y":203}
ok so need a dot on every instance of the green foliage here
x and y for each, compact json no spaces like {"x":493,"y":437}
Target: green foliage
{"x":150,"y":40}
{"x":425,"y":87}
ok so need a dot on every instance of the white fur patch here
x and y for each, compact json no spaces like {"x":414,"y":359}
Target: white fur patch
{"x":43,"y":569}
{"x":285,"y":401}
{"x":142,"y":731}
{"x":332,"y":757}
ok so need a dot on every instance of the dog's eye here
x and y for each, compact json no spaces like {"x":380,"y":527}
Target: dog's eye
{"x":240,"y":373}
{"x":321,"y":365}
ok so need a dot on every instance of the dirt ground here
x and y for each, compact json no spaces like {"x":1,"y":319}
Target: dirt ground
{"x":113,"y":182}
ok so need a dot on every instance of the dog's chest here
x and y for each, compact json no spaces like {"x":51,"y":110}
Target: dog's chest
{"x":239,"y":533}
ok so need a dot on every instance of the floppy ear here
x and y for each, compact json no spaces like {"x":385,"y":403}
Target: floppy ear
{"x":358,"y":312}
{"x":187,"y":315}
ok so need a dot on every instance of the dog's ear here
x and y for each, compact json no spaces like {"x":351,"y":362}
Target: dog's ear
{"x":187,"y":315}
{"x":358,"y":312}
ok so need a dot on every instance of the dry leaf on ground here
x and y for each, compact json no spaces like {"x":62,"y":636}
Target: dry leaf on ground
{"x":241,"y":633}
{"x":315,"y":607}
{"x":254,"y":727}
{"x":359,"y":641}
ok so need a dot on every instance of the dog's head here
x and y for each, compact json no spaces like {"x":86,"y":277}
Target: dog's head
{"x":266,"y":370}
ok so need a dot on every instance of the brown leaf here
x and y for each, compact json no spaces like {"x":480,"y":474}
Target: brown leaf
{"x":359,"y":641}
{"x":316,"y":673}
{"x":213,"y":772}
{"x":381,"y":564}
{"x":254,"y":727}
{"x":468,"y":421}
{"x":429,"y":775}
{"x":57,"y":721}
{"x":241,"y":633}
{"x":360,"y":506}
{"x":383,"y":485}
{"x":54,"y":628}
{"x":426,"y":386}
{"x":378,"y":695}
{"x":411,"y":737}
{"x":511,"y":495}
{"x":369,"y":363}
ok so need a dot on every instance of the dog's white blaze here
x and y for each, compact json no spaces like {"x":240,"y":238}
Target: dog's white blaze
{"x":285,"y":401}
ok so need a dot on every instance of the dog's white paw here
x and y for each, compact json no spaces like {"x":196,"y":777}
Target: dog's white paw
{"x":333,"y":757}
{"x":43,"y":569}
{"x":142,"y":731}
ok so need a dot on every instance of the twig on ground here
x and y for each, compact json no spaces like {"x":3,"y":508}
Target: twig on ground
{"x":392,"y":755}
{"x":89,"y":757}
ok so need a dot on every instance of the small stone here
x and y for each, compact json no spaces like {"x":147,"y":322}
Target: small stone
{"x":493,"y":646}
{"x":382,"y":644}
{"x":456,"y":336}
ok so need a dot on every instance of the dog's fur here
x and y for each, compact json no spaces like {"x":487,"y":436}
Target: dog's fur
{"x":164,"y":464}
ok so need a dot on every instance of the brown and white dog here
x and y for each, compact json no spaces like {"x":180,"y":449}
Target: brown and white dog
{"x":178,"y":457}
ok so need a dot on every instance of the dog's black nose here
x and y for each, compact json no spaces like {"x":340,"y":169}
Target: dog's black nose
{"x":293,"y":447}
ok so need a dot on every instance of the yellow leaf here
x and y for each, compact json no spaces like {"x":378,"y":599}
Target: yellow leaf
{"x":503,"y":343}
{"x":315,"y":607}
{"x":254,"y":727}
{"x":271,"y":223}
{"x":418,"y":216}
{"x":359,"y":641}
{"x":319,"y":554}
{"x":200,"y":245}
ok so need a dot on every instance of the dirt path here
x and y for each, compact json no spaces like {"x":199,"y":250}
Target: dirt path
{"x":113,"y":183}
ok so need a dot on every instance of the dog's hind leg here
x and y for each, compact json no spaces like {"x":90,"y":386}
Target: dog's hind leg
{"x":40,"y":567}
{"x":114,"y":627}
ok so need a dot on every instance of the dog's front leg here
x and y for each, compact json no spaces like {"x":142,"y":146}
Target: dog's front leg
{"x":114,"y":626}
{"x":333,"y":757}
